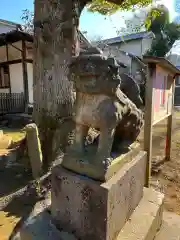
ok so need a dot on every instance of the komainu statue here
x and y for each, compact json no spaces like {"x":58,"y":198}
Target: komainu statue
{"x":101,"y":105}
{"x":131,"y":89}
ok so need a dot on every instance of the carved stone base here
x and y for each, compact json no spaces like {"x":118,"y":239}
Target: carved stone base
{"x":93,"y":210}
{"x":87,"y":165}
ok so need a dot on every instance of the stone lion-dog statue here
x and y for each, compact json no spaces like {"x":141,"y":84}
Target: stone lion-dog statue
{"x":100,"y":104}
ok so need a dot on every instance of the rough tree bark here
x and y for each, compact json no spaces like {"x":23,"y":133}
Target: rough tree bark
{"x":56,"y":41}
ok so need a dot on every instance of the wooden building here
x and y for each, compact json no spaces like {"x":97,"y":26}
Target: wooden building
{"x":16,"y":71}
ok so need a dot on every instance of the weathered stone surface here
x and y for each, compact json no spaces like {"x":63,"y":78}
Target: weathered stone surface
{"x":39,"y":225}
{"x":146,"y":219}
{"x":100,"y":104}
{"x":170,"y":229}
{"x":93,"y":210}
{"x":90,"y":168}
{"x":132,"y":90}
{"x":34,"y":149}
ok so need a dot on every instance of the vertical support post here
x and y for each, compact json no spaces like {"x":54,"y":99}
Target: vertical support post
{"x":169,"y":127}
{"x":25,"y":76}
{"x":2,"y":75}
{"x":148,"y":121}
{"x":7,"y":57}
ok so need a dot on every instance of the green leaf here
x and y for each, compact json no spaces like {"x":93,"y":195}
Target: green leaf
{"x":108,"y":8}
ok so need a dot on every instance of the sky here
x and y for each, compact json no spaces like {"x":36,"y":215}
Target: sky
{"x":95,"y":24}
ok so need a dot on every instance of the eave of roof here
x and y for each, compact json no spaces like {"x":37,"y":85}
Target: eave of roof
{"x":8,"y":22}
{"x":14,"y":36}
{"x":17,"y":35}
{"x":164,"y":63}
{"x":83,"y":40}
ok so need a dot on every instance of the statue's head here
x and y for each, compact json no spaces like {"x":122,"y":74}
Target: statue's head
{"x":94,"y":73}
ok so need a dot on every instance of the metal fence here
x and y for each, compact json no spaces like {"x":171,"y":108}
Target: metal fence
{"x":12,"y":103}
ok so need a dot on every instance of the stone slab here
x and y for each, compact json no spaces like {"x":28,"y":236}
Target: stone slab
{"x":93,"y":210}
{"x":34,"y":149}
{"x":170,"y":229}
{"x":89,"y":167}
{"x":146,"y":219}
{"x":39,"y":226}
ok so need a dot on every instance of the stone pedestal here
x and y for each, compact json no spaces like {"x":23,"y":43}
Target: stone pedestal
{"x":90,"y":168}
{"x":93,"y":210}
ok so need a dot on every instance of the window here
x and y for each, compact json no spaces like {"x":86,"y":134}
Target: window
{"x":177,"y":81}
{"x":4,"y":76}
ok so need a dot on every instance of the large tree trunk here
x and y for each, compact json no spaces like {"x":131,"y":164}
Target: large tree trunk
{"x":56,"y":40}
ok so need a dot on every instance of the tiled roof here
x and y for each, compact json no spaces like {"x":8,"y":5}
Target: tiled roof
{"x":8,"y":22}
{"x":128,"y":37}
{"x":83,"y":41}
{"x":17,"y":35}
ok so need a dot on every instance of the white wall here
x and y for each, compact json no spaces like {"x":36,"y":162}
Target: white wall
{"x":16,"y":72}
{"x":13,"y":53}
{"x":30,"y":81}
{"x":146,"y":45}
{"x":16,"y":78}
{"x":137,"y":47}
{"x":133,"y":47}
{"x":4,"y":90}
{"x":113,"y":50}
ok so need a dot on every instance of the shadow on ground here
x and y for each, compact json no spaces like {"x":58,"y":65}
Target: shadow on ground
{"x":13,"y":179}
{"x":20,"y":205}
{"x":15,"y":209}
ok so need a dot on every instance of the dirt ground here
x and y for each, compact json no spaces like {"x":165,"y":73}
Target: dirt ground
{"x":167,"y":177}
{"x":18,"y":196}
{"x":16,"y":201}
